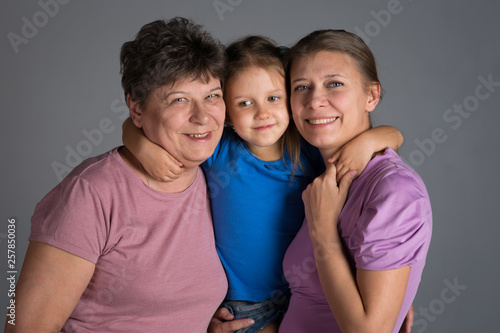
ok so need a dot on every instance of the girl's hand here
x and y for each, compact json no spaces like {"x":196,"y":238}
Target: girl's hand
{"x":356,"y":154}
{"x":159,"y":164}
{"x":324,"y":200}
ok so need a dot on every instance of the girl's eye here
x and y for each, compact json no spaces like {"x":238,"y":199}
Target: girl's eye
{"x":273,"y":98}
{"x":244,"y":103}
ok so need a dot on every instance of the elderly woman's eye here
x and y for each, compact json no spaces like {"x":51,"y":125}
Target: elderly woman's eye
{"x":335,"y":84}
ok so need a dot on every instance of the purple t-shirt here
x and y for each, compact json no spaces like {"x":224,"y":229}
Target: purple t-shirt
{"x":156,"y":267}
{"x":386,"y":223}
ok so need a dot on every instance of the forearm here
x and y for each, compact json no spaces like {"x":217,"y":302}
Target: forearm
{"x":49,"y":287}
{"x":338,"y":283}
{"x":133,"y":138}
{"x":382,"y":137}
{"x":361,"y":301}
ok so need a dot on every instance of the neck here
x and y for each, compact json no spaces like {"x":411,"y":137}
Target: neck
{"x":326,"y":153}
{"x":178,"y":185}
{"x":268,"y":154}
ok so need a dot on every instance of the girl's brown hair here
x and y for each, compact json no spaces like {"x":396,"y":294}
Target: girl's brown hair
{"x":262,"y":52}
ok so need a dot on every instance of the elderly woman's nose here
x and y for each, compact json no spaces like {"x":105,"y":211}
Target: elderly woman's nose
{"x":200,"y":114}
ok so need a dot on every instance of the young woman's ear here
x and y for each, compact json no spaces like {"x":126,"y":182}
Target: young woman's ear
{"x":135,"y":111}
{"x":373,"y":96}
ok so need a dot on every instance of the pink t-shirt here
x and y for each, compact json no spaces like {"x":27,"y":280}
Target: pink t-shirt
{"x":157,"y":269}
{"x":386,"y":223}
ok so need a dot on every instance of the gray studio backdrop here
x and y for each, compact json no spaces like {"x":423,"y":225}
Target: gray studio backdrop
{"x":61,"y":101}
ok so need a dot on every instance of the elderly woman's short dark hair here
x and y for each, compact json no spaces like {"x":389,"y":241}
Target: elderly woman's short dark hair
{"x":166,"y":52}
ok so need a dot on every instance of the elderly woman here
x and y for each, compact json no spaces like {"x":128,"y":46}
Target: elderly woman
{"x":353,"y":267}
{"x":113,"y":250}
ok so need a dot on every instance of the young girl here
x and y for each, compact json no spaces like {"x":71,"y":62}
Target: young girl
{"x":256,"y":176}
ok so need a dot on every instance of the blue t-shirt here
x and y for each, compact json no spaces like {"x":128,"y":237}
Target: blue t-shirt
{"x":257,"y":210}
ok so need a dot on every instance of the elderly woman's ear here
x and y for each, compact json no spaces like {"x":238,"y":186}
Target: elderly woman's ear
{"x":135,"y":111}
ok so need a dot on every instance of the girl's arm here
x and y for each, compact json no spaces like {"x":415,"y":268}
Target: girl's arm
{"x":356,"y":154}
{"x":361,"y":301}
{"x":155,"y":160}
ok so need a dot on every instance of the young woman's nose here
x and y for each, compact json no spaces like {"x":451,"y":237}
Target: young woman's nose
{"x":316,"y":99}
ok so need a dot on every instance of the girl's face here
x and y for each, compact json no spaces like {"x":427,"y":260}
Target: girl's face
{"x":329,"y":99}
{"x":256,"y":104}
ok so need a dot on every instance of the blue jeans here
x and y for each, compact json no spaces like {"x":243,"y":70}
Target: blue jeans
{"x":263,"y":313}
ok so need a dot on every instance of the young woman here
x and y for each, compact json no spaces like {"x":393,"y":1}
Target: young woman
{"x":353,"y":267}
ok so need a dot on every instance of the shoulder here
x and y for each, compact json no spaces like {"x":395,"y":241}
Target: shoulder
{"x":229,"y":143}
{"x":394,"y":224}
{"x":389,"y":174}
{"x":97,"y":167}
{"x":88,"y":181}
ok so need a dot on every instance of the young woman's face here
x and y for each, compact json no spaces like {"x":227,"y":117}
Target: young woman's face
{"x":256,"y":104}
{"x":329,"y":100}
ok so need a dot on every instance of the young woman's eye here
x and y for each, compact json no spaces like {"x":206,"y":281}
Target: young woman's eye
{"x":273,"y":98}
{"x":244,"y":103}
{"x":300,"y":88}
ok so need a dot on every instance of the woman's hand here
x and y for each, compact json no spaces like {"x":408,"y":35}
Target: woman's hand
{"x":223,"y":322}
{"x":366,"y":301}
{"x":324,"y":200}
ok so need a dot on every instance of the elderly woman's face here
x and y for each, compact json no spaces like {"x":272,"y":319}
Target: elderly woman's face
{"x":186,"y":119}
{"x":330,"y":102}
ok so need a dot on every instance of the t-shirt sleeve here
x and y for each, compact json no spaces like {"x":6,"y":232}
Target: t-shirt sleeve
{"x":71,"y":218}
{"x":394,"y":228}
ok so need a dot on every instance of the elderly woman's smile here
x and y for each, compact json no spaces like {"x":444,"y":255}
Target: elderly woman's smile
{"x":186,"y":118}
